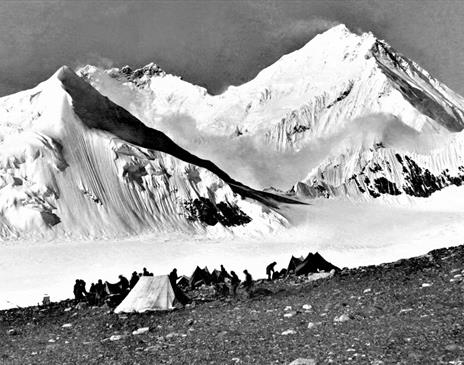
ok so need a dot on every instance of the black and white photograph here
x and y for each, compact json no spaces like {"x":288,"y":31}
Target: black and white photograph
{"x":231,"y":182}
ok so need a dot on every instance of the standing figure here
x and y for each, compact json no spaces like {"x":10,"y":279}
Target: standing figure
{"x":134,"y":279}
{"x":77,"y":291}
{"x":224,"y":274}
{"x":270,"y":270}
{"x":234,"y":283}
{"x":123,"y":284}
{"x":248,"y":283}
{"x":100,"y":292}
{"x":173,"y":278}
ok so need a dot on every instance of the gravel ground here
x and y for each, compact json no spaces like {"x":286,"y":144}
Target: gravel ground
{"x":410,"y":311}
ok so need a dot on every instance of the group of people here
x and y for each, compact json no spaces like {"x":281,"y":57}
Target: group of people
{"x":223,"y":282}
{"x":95,"y":296}
{"x":99,"y":292}
{"x":226,"y":284}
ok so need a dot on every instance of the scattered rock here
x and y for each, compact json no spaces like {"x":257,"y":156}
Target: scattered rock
{"x":426,"y":285}
{"x":288,"y":332}
{"x":116,"y":337}
{"x":13,"y":332}
{"x":141,"y":331}
{"x":153,"y":348}
{"x":290,"y":314}
{"x":66,"y":325}
{"x":51,"y":340}
{"x":301,"y":361}
{"x":342,"y":318}
{"x":67,"y":309}
{"x":288,"y":308}
{"x":368,"y":290}
{"x":311,"y":325}
{"x":452,"y":347}
{"x":307,"y":307}
{"x":81,"y":306}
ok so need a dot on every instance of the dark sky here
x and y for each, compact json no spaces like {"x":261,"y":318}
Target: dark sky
{"x":214,"y":43}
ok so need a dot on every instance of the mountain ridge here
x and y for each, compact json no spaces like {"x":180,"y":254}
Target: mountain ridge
{"x":298,"y":106}
{"x":72,"y":158}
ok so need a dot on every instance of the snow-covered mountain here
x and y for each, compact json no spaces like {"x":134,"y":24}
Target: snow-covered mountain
{"x":73,"y":163}
{"x":346,"y":115}
{"x":298,"y":111}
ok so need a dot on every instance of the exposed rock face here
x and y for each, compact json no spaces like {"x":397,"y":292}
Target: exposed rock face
{"x":376,"y":171}
{"x":205,"y":211}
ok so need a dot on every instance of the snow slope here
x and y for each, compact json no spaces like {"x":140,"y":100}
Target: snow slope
{"x":74,"y":164}
{"x":345,"y":233}
{"x":388,"y":158}
{"x":293,"y":111}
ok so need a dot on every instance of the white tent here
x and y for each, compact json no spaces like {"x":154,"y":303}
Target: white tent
{"x":151,"y":293}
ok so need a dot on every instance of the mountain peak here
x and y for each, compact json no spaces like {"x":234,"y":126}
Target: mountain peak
{"x":138,"y":75}
{"x":339,"y":28}
{"x":64,"y":74}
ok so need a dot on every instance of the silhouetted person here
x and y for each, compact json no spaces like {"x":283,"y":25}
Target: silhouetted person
{"x":145,"y":272}
{"x":100,"y":292}
{"x":224,"y":273}
{"x":248,"y":283}
{"x":123,"y":284}
{"x":134,"y":279}
{"x":234,"y":282}
{"x":270,"y":270}
{"x":173,"y":278}
{"x":79,"y":290}
{"x":92,"y":295}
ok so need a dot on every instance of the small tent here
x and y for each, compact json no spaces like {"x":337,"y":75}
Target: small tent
{"x":314,"y":263}
{"x":183,"y":282}
{"x":215,"y":276}
{"x":294,"y":262}
{"x":151,"y":293}
{"x":199,"y":277}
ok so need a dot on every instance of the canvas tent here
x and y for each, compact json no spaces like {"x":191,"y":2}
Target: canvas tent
{"x":183,"y":281}
{"x":151,"y":293}
{"x":199,"y":277}
{"x":314,"y":263}
{"x":294,"y":262}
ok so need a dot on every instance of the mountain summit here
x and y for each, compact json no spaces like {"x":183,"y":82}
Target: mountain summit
{"x":344,"y":116}
{"x":76,"y":164}
{"x":310,"y":112}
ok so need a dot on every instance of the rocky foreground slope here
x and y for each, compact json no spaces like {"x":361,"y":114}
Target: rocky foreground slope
{"x":406,"y":312}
